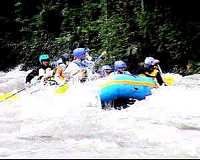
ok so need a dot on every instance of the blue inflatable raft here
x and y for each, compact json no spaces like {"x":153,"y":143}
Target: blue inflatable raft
{"x":125,"y":86}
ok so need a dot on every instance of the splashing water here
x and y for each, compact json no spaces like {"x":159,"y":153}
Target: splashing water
{"x":73,"y":125}
{"x":12,"y":80}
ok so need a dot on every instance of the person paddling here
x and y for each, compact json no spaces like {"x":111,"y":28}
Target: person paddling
{"x":120,"y":67}
{"x":41,"y":73}
{"x":150,"y":68}
{"x":77,"y":69}
{"x":105,"y":71}
{"x":61,"y":64}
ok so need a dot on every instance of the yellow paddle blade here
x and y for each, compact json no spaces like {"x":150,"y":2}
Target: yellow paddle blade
{"x":62,"y":89}
{"x":169,"y":79}
{"x":9,"y":96}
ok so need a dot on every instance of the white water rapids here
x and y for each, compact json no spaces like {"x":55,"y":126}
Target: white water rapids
{"x":42,"y":125}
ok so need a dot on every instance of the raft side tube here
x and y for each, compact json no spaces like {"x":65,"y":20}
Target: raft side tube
{"x":126,"y":86}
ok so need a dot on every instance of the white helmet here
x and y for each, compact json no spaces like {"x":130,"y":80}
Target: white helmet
{"x":150,"y":61}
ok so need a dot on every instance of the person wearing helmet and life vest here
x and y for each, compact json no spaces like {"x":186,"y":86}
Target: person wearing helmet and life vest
{"x":105,"y":70}
{"x":150,"y":69}
{"x":59,"y":75}
{"x":43,"y":72}
{"x":88,"y":59}
{"x":61,"y":65}
{"x":120,"y":67}
{"x":77,"y":69}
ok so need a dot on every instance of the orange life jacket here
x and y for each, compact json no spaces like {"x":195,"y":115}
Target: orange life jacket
{"x":59,"y":72}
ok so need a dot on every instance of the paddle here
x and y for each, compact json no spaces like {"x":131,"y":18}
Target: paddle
{"x":9,"y":95}
{"x":167,"y":78}
{"x":62,"y":89}
{"x":12,"y":94}
{"x":99,"y":58}
{"x":159,"y":69}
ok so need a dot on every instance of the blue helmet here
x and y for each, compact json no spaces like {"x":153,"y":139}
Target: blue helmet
{"x":79,"y":53}
{"x":65,"y":57}
{"x":120,"y":65}
{"x":43,"y":57}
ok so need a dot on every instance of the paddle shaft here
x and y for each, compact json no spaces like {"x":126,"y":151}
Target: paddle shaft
{"x":161,"y":73}
{"x":159,"y":69}
{"x":16,"y":92}
{"x":99,"y":58}
{"x":13,"y":94}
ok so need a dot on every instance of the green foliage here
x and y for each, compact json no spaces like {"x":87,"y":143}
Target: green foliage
{"x":163,"y":38}
{"x":172,"y":41}
{"x":114,"y":36}
{"x":127,"y":29}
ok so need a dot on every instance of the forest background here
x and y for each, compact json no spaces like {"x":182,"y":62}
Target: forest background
{"x":168,"y":30}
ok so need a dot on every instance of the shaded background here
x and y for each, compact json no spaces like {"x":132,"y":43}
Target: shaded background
{"x":128,"y":30}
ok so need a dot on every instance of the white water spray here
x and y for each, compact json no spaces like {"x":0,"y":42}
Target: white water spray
{"x":42,"y":125}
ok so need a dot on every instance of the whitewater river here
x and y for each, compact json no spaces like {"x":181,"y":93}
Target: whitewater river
{"x":44,"y":125}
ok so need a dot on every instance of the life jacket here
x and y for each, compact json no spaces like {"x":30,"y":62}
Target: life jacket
{"x":152,"y":74}
{"x":31,"y":75}
{"x":38,"y":73}
{"x":80,"y":64}
{"x":59,"y":73}
{"x":88,"y":64}
{"x":46,"y":73}
{"x":75,"y":71}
